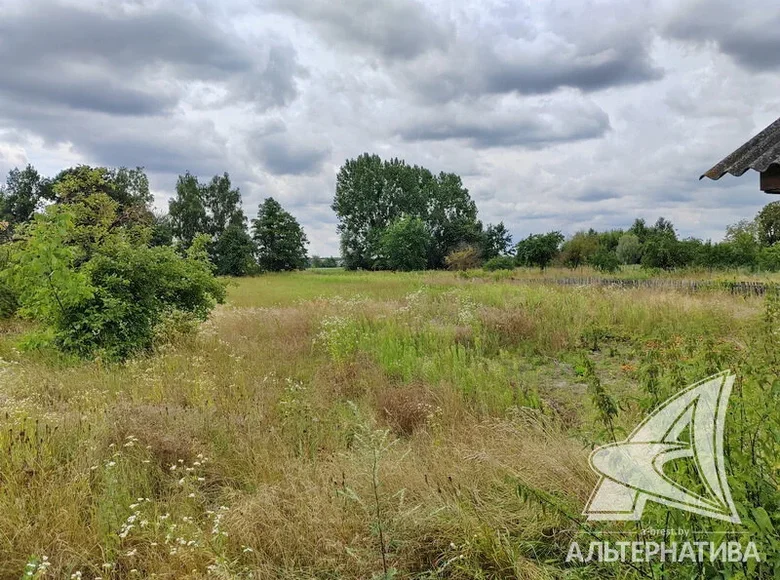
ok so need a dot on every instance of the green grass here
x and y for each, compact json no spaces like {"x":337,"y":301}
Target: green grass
{"x":318,"y":407}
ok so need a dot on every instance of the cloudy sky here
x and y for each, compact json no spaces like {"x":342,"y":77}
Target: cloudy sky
{"x":561,"y":114}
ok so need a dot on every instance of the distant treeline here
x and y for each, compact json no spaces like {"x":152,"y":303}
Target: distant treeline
{"x":749,"y":244}
{"x":273,"y":241}
{"x":391,"y":216}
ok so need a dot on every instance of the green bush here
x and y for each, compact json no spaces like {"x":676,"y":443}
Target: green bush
{"x":500,"y":263}
{"x":605,"y":261}
{"x":109,"y":298}
{"x":404,"y":245}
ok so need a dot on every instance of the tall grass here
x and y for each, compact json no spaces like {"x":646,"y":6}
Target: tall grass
{"x":350,"y":425}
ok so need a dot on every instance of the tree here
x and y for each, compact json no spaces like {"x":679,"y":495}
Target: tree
{"x":538,"y":249}
{"x":662,"y":227}
{"x":605,"y":260}
{"x":661,"y":248}
{"x":372,"y":193}
{"x":629,"y":249}
{"x":640,"y":230}
{"x":23,"y":193}
{"x":162,"y":230}
{"x":323,"y":262}
{"x":496,"y":241}
{"x":768,"y":224}
{"x":451,"y":216}
{"x":187,"y":210}
{"x":741,"y":229}
{"x":129,"y":188}
{"x":223,"y":204}
{"x":499,"y":263}
{"x":281,"y":242}
{"x":578,"y":250}
{"x":404,"y":244}
{"x":233,"y":254}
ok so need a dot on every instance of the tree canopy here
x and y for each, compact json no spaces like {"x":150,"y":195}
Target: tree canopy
{"x":371,"y":194}
{"x":280,"y":240}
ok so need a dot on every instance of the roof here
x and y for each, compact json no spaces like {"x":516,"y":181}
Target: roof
{"x":759,"y":153}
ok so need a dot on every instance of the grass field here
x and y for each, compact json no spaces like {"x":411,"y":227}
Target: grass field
{"x":347,"y":425}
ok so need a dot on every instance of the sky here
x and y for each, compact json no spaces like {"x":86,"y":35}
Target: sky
{"x":558,"y":114}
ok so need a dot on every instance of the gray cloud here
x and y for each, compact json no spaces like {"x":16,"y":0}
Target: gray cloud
{"x":283,"y":155}
{"x":392,"y":29}
{"x":528,"y":70}
{"x":529,"y":50}
{"x":746,"y":32}
{"x":132,"y":62}
{"x":483,"y":126}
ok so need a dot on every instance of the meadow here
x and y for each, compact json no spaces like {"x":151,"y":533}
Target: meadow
{"x":326,"y":424}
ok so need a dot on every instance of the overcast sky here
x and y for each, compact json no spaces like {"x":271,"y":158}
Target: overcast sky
{"x":561,"y":114}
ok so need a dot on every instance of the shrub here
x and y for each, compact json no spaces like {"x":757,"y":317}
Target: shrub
{"x":404,"y":244}
{"x":464,"y":258}
{"x":629,"y":249}
{"x":108,"y":301}
{"x":500,"y":263}
{"x":605,"y":261}
{"x":538,"y":249}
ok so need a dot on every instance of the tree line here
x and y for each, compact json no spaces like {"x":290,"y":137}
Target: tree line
{"x":272,"y":241}
{"x":395,"y":216}
{"x":748,"y":244}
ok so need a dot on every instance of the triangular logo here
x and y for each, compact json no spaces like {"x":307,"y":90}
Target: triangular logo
{"x":688,"y":426}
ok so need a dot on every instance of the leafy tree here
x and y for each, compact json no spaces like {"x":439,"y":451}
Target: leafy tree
{"x":187,"y":210}
{"x":640,"y":230}
{"x":661,"y":248}
{"x":106,"y":296}
{"x":162,"y":230}
{"x":496,"y":241}
{"x":233,"y":252}
{"x":744,"y":250}
{"x":610,"y":239}
{"x":539,"y":249}
{"x":742,"y":228}
{"x":451,"y":216}
{"x":605,"y":260}
{"x":662,"y":227}
{"x":768,"y":224}
{"x":372,"y":193}
{"x":579,"y":249}
{"x":404,"y":244}
{"x":320,"y":262}
{"x":23,"y":193}
{"x":281,"y":242}
{"x":129,"y":188}
{"x":223,"y":203}
{"x":769,"y":258}
{"x":629,"y":249}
